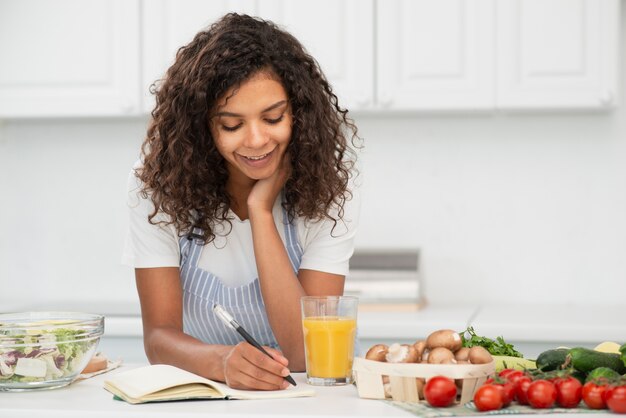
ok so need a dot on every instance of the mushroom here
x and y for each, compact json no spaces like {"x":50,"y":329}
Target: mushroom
{"x":377,"y":352}
{"x":446,"y":338}
{"x":420,"y":347}
{"x":479,"y":355}
{"x":401,"y":353}
{"x":441,"y":355}
{"x":462,"y":354}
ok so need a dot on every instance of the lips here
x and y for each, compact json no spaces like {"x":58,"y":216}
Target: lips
{"x":256,"y":158}
{"x":257,"y":161}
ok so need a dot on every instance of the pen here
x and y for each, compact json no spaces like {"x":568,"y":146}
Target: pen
{"x":228,"y":319}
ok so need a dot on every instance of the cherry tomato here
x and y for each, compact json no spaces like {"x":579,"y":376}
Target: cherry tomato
{"x":521,"y":389}
{"x":569,"y":392}
{"x":615,"y":398}
{"x":512,"y":375}
{"x":504,"y":373}
{"x":593,"y":395}
{"x":507,"y":388}
{"x":440,"y":391}
{"x":541,"y":394}
{"x":488,"y":397}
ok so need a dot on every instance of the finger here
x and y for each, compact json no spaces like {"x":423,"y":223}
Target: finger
{"x":247,"y":381}
{"x":240,"y":373}
{"x":253,"y":375}
{"x":269,"y":364}
{"x":278,"y":356}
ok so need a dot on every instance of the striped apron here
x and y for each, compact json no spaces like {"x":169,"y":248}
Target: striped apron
{"x":201,"y":289}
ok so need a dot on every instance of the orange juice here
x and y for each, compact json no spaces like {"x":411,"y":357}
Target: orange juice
{"x":329,"y":346}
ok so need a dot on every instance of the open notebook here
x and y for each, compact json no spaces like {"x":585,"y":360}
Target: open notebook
{"x":161,"y":382}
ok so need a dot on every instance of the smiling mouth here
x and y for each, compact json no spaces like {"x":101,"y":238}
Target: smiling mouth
{"x":258,"y":157}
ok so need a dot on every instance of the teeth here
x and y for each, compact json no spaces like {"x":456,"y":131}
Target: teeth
{"x":260,"y":157}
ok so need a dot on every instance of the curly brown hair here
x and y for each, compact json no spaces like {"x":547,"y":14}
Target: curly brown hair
{"x":183,"y":172}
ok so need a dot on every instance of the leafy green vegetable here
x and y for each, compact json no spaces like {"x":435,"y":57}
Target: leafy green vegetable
{"x":497,"y":347}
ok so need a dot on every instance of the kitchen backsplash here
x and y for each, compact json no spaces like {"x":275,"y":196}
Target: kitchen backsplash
{"x":523,"y":207}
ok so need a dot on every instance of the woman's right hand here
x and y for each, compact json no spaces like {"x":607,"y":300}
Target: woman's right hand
{"x":245,"y":367}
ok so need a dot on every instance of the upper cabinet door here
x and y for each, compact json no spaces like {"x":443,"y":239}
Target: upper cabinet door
{"x":339,"y":34}
{"x":435,"y":55}
{"x":171,"y":24}
{"x":557,"y":54}
{"x":69,"y":58}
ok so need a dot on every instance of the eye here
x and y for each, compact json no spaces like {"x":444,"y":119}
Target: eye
{"x":231,"y":128}
{"x":275,"y":121}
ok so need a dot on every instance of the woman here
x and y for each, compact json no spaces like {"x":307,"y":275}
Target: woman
{"x":242,"y":198}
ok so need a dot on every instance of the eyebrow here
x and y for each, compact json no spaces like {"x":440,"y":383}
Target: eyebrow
{"x":237,"y":115}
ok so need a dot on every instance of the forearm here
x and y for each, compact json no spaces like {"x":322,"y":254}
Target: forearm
{"x":172,"y":346}
{"x":280,"y":287}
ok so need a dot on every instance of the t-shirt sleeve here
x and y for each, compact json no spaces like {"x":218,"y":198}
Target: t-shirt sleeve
{"x":328,"y":246}
{"x":147,"y":244}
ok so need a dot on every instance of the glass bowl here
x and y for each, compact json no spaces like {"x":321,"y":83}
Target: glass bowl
{"x":46,"y":350}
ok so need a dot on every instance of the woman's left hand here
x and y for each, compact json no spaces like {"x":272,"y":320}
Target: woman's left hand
{"x":265,"y":191}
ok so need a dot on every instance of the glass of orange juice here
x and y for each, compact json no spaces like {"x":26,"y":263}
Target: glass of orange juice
{"x":329,"y":327}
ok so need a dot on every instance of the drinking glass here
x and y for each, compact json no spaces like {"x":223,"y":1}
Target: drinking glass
{"x":329,"y":327}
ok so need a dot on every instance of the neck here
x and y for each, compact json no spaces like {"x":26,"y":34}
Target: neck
{"x":239,"y":189}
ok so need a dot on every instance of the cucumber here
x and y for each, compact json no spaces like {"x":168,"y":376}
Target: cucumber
{"x":602,"y":372}
{"x":552,"y":359}
{"x":586,"y":360}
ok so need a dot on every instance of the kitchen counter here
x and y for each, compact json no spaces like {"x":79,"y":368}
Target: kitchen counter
{"x":87,"y":399}
{"x":532,"y":329}
{"x":518,"y":322}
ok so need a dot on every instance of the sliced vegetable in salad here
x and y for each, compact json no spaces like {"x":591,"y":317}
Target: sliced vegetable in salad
{"x":41,"y":355}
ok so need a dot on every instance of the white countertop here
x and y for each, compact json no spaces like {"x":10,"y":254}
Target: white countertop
{"x":87,"y":399}
{"x":515,"y":322}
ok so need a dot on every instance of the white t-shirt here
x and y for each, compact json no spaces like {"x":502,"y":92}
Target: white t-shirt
{"x":231,"y":256}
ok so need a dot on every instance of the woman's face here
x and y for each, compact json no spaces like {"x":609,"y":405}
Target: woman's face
{"x":252,"y":127}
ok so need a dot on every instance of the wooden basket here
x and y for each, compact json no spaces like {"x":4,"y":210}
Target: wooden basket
{"x":403,"y":386}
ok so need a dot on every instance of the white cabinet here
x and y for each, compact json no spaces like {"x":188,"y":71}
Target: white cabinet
{"x":69,"y":58}
{"x":99,"y":57}
{"x":557,"y":53}
{"x":435,"y":55}
{"x":497,"y":54}
{"x":339,"y":34}
{"x":171,"y":24}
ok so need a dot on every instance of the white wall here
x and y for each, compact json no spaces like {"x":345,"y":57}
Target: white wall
{"x":521,"y":208}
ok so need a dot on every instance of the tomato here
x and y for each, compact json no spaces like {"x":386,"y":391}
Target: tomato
{"x":488,"y":397}
{"x":593,"y":395}
{"x":521,"y":389}
{"x":541,"y":394}
{"x":615,"y":398}
{"x":568,"y":392}
{"x":504,"y":373}
{"x":440,"y":391}
{"x":512,"y":375}
{"x":507,"y":388}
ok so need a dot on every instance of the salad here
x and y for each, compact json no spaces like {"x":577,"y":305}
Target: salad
{"x":43,"y":355}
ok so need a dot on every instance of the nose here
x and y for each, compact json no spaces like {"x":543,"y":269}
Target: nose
{"x":256,"y":137}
